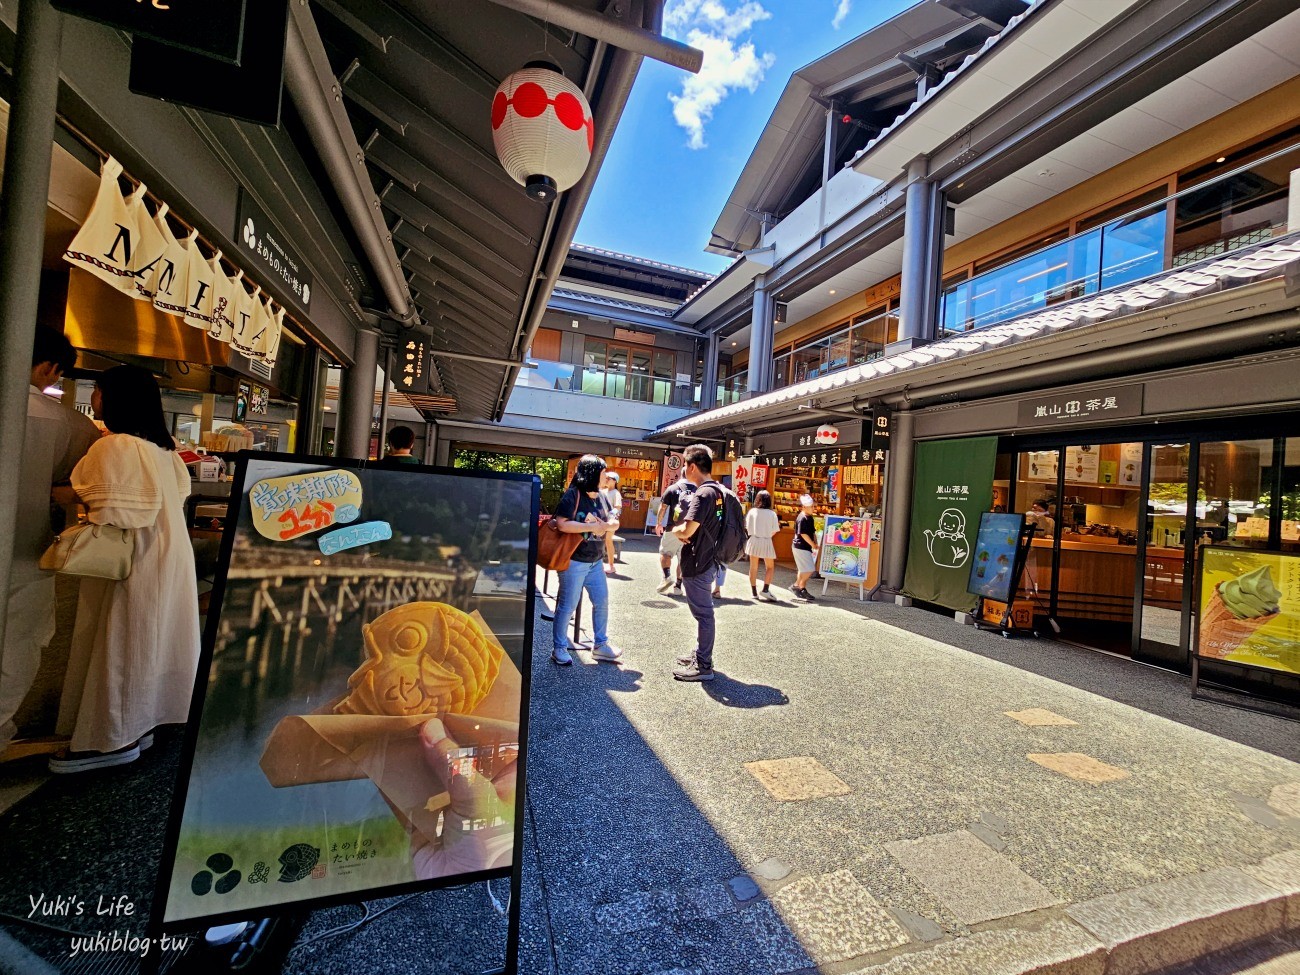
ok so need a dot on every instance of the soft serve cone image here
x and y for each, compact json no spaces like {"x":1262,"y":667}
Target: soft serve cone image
{"x":1238,"y":608}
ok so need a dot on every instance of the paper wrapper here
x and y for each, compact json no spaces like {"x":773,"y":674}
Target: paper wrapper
{"x":1222,"y":632}
{"x":327,"y":747}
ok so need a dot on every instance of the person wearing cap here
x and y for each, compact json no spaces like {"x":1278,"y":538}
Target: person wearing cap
{"x":804,"y":547}
{"x":613,"y":499}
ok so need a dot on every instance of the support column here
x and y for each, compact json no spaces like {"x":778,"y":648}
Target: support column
{"x":430,"y":442}
{"x":898,"y":499}
{"x":383,"y":399}
{"x":762,"y":330}
{"x":357,"y":402}
{"x":709,"y":376}
{"x":24,"y":197}
{"x":916,"y":318}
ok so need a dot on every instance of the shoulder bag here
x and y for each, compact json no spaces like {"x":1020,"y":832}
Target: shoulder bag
{"x":98,"y":551}
{"x":554,"y":547}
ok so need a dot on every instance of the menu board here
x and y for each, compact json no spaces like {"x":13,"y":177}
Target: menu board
{"x":1130,"y":464}
{"x":1040,"y":465}
{"x":1249,"y":608}
{"x":845,"y":545}
{"x":993,"y":570}
{"x":359,"y":717}
{"x":1082,"y":464}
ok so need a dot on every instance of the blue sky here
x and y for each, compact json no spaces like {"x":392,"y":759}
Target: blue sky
{"x":683,"y":139}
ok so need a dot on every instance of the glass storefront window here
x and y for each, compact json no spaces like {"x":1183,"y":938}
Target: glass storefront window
{"x":593,"y":367}
{"x":1234,"y":492}
{"x":1290,"y":502}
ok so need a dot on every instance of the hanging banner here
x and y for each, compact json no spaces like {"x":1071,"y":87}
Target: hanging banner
{"x":742,"y":473}
{"x":375,"y":744}
{"x":952,"y":487}
{"x":673,"y":465}
{"x":105,"y":244}
{"x":1249,"y":608}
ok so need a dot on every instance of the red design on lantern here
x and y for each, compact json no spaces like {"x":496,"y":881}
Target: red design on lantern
{"x":546,"y":152}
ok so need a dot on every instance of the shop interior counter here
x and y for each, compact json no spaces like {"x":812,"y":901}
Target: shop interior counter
{"x":1096,"y":576}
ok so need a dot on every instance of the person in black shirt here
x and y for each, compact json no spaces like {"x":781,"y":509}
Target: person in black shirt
{"x":581,"y":509}
{"x":699,"y":530}
{"x":671,"y":508}
{"x":804,"y":548}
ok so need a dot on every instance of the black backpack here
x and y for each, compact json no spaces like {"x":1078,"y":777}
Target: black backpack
{"x":732,"y":536}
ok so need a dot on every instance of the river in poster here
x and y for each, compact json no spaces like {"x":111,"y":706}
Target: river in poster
{"x":358,"y":728}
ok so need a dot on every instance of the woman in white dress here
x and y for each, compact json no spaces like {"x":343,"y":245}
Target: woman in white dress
{"x":761,"y":524}
{"x":135,"y":647}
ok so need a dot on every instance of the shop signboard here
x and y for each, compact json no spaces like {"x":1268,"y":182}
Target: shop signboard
{"x":842,"y":456}
{"x":1081,"y":405}
{"x":844,"y":548}
{"x":993,"y":569}
{"x":1249,"y":608}
{"x":359,"y":718}
{"x":214,"y":28}
{"x":876,"y":427}
{"x":758,"y":474}
{"x":952,"y":487}
{"x":269,"y":252}
{"x":251,"y":89}
{"x":412,"y":358}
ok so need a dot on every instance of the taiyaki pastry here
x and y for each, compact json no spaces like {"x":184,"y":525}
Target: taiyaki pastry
{"x":422,"y":658}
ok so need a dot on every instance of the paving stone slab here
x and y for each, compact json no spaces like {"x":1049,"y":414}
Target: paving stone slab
{"x":1182,"y":919}
{"x":793,"y":779}
{"x":1285,"y":799}
{"x":835,"y":918}
{"x":772,"y":869}
{"x":919,"y":927}
{"x":1039,"y":718}
{"x":711,"y":900}
{"x":1083,"y":768}
{"x":776,"y":942}
{"x":1057,"y":948}
{"x":972,"y":880}
{"x":1282,"y":872}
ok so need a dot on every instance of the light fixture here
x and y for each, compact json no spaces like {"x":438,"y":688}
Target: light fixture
{"x":1221,"y":159}
{"x":733,"y":344}
{"x":575,"y":323}
{"x":832,"y":291}
{"x":542,"y":130}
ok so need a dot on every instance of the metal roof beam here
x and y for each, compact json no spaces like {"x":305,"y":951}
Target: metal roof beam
{"x":311,"y":84}
{"x":419,"y":214}
{"x":409,"y":236}
{"x":634,"y":39}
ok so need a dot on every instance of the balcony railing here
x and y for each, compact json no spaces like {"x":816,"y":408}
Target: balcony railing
{"x":608,"y":383}
{"x":1231,"y":211}
{"x":733,"y":388}
{"x":853,"y":345}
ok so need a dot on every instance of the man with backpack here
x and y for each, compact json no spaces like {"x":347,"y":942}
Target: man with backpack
{"x":712,"y":531}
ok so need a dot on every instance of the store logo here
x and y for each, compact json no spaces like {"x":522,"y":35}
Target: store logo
{"x":297,"y":862}
{"x":250,"y":234}
{"x":948,"y":546}
{"x":221,"y":868}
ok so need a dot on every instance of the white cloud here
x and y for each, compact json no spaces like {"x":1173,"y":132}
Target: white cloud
{"x":841,"y":11}
{"x":729,"y":63}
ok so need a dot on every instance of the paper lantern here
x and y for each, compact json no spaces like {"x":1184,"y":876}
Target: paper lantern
{"x":542,"y":130}
{"x":828,"y":435}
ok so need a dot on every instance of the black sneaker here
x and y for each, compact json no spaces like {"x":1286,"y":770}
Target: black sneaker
{"x":805,"y":595}
{"x":693,"y":672}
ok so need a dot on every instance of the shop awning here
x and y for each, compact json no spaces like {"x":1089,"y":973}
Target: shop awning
{"x":478,"y":256}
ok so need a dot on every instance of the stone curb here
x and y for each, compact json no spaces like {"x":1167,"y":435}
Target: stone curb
{"x":1135,"y":932}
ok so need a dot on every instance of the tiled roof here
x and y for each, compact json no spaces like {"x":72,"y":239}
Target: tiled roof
{"x":601,"y":252}
{"x":950,"y":78}
{"x":664,"y":313}
{"x":1241,"y":267}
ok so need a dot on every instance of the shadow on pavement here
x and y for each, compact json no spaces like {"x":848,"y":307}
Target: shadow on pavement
{"x":737,"y":694}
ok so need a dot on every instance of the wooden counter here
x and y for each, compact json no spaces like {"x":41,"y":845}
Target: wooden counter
{"x":1095,"y":580}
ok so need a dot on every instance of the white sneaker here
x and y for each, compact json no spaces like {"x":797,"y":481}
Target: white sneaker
{"x":562,"y":657}
{"x":665,"y":585}
{"x":607,"y":651}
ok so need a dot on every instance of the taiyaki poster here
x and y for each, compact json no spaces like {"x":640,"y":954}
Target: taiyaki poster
{"x":1249,"y":604}
{"x":358,"y":724}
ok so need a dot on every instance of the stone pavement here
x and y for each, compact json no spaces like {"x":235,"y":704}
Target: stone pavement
{"x":961,"y":814}
{"x":863,"y":789}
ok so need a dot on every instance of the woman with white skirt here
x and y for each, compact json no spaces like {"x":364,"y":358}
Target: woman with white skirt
{"x":761,"y":524}
{"x":135,"y":647}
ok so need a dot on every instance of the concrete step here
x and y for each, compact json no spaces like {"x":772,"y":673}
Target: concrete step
{"x":1143,"y":931}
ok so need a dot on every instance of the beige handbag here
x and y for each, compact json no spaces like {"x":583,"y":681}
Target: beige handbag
{"x":99,"y":551}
